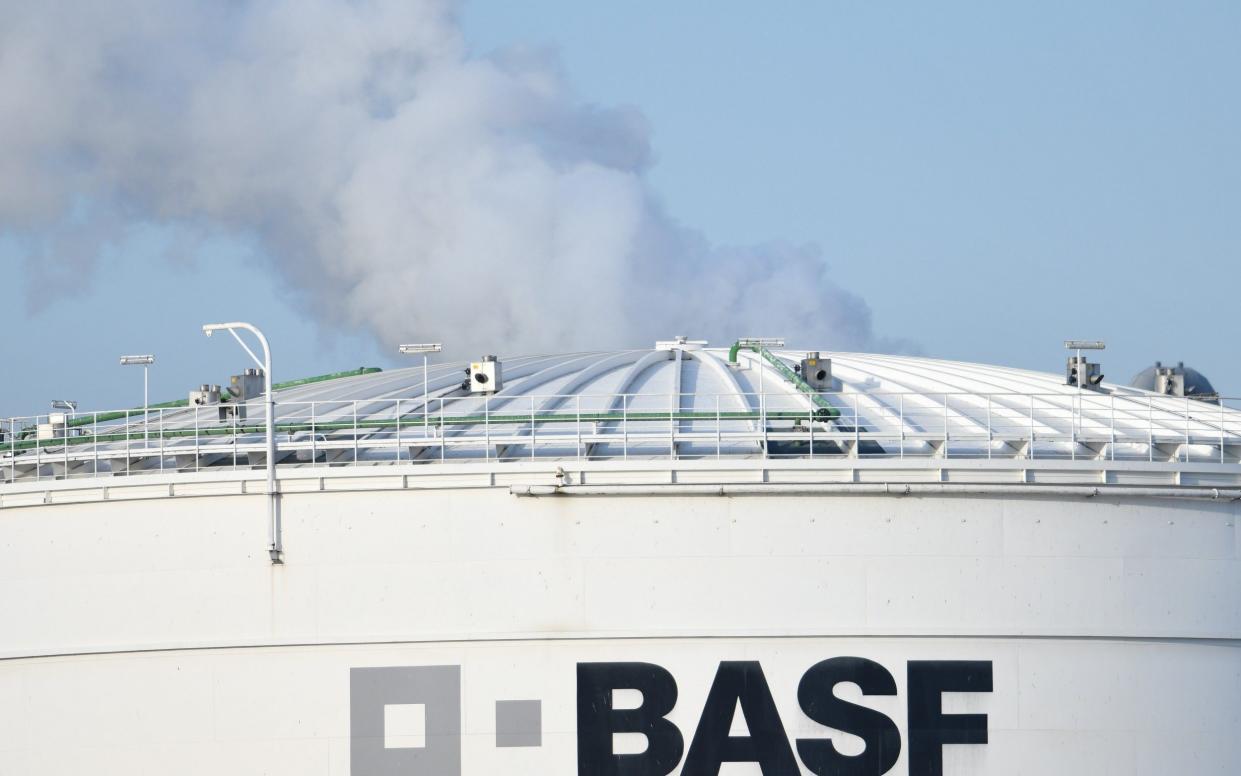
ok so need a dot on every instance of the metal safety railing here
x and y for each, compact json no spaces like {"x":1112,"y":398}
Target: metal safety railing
{"x":1085,"y":425}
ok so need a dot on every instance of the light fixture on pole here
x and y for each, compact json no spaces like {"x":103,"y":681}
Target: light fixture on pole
{"x":424,"y":348}
{"x":145,"y":362}
{"x":763,"y":342}
{"x":1080,"y":345}
{"x":274,"y":544}
{"x":1080,"y":373}
{"x":65,"y":404}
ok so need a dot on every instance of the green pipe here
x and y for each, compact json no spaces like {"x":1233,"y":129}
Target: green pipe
{"x":824,"y":408}
{"x":362,"y":370}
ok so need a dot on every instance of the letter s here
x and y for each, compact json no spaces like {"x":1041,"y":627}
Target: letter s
{"x":816,"y":695}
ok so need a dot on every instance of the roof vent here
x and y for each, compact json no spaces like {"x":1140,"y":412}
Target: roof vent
{"x":206,"y":394}
{"x":247,"y":385}
{"x":1178,"y":380}
{"x":1170,"y":380}
{"x":54,"y":428}
{"x":1082,"y":373}
{"x":483,"y":376}
{"x":816,"y":371}
{"x":209,"y":395}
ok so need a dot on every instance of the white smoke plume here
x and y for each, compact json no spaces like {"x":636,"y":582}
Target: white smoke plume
{"x":397,"y":183}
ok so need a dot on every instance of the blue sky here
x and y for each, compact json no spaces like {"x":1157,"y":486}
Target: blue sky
{"x":990,"y":178}
{"x":993,"y":178}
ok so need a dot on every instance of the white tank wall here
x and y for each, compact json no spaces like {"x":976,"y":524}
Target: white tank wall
{"x":1057,"y":706}
{"x":1114,"y":628}
{"x":471,"y":563}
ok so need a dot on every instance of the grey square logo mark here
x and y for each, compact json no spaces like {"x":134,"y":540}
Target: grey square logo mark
{"x":405,"y":721}
{"x":519,"y":723}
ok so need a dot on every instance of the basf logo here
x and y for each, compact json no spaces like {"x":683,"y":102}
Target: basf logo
{"x":738,"y":688}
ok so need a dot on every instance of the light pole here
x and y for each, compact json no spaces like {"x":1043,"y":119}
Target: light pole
{"x":145,"y":362}
{"x":274,"y":544}
{"x":1080,"y":373}
{"x":424,"y":348}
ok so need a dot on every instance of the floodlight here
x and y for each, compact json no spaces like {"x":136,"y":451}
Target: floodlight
{"x":766,"y":342}
{"x":145,"y":362}
{"x":421,"y":347}
{"x":424,"y":348}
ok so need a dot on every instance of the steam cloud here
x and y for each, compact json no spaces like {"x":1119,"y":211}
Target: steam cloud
{"x":397,"y":183}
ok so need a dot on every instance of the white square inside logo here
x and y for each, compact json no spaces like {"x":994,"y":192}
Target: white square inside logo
{"x":405,"y":726}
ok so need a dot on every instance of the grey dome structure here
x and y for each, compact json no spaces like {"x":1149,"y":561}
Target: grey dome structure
{"x":1179,"y":380}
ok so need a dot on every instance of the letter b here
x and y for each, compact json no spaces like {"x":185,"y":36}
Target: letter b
{"x":598,"y":721}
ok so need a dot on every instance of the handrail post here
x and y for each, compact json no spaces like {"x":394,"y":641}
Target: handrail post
{"x":762,"y":415}
{"x":673,"y":404}
{"x":901,"y":421}
{"x":1075,"y":415}
{"x":1150,"y":429}
{"x":1187,"y":436}
{"x":857,"y":427}
{"x":1030,"y":451}
{"x":197,"y":440}
{"x":990,"y":432}
{"x":1221,"y":430}
{"x":945,"y":425}
{"x":625,"y":426}
{"x":1075,"y":411}
{"x":810,"y":426}
{"x":160,"y":428}
{"x":1112,"y":445}
{"x":718,"y":429}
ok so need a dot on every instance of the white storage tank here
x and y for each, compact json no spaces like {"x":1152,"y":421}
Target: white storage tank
{"x":681,"y":560}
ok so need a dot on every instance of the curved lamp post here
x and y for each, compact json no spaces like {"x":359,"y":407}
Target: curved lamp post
{"x":274,"y":544}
